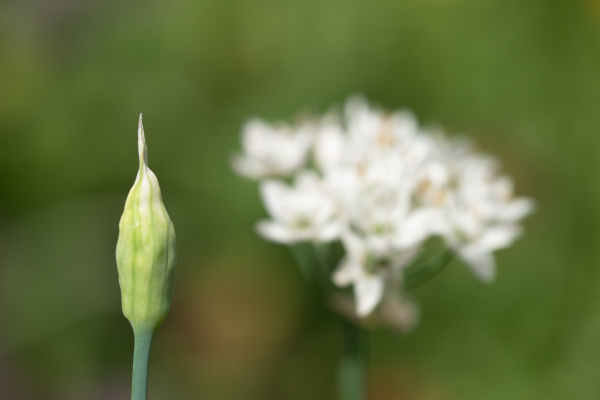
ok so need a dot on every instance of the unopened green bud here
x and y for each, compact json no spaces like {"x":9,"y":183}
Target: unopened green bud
{"x":146,"y":250}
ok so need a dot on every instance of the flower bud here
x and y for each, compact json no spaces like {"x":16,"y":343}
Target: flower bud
{"x":146,"y":250}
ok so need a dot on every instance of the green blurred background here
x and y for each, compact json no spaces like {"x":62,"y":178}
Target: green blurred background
{"x":521,"y":76}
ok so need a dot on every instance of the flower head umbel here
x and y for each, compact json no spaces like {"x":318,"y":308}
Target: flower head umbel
{"x":381,"y":186}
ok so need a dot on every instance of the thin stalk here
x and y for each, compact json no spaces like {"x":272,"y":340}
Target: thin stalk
{"x":141,"y":358}
{"x":300,"y":253}
{"x":324,"y":264}
{"x":416,"y":276}
{"x":352,"y":369}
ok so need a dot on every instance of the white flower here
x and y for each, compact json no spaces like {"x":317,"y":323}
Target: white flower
{"x":368,"y":286}
{"x":301,"y":213}
{"x":429,"y":200}
{"x":369,"y":273}
{"x":272,"y":151}
{"x":477,"y":252}
{"x":372,"y":132}
{"x":330,"y":144}
{"x":483,"y":213}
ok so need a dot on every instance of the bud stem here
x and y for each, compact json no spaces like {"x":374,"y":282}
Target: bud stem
{"x":141,"y":358}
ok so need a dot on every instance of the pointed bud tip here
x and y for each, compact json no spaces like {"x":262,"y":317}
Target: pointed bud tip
{"x":143,"y":152}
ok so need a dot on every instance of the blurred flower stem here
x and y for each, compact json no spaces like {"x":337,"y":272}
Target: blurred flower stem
{"x":351,"y":374}
{"x":141,"y":359}
{"x":303,"y":259}
{"x":316,"y":261}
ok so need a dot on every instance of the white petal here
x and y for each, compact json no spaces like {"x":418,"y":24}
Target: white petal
{"x":368,"y":292}
{"x":498,"y":237}
{"x":516,"y":209}
{"x":308,"y":181}
{"x":329,"y":147}
{"x":278,"y":148}
{"x":255,"y":137}
{"x":248,"y":167}
{"x":274,"y":194}
{"x":480,"y":261}
{"x":437,"y":173}
{"x":378,"y":245}
{"x":344,"y":183}
{"x":355,"y":105}
{"x":503,"y":186}
{"x":346,"y":272}
{"x":419,"y":225}
{"x":276,"y":232}
{"x":405,"y":124}
{"x":353,"y":244}
{"x":328,"y":232}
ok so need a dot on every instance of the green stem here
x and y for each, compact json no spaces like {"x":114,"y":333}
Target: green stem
{"x":141,"y":358}
{"x":351,"y":369}
{"x":324,"y":265}
{"x":417,"y":275}
{"x":300,"y":253}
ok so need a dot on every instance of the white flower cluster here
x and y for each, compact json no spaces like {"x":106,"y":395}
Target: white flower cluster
{"x":381,"y":185}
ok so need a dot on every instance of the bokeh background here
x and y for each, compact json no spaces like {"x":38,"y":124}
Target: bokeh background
{"x":522,"y":77}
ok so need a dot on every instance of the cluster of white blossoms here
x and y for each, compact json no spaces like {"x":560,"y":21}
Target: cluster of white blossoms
{"x":382,"y":186}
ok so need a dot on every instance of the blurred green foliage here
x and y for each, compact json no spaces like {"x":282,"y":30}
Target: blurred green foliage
{"x":521,"y":76}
